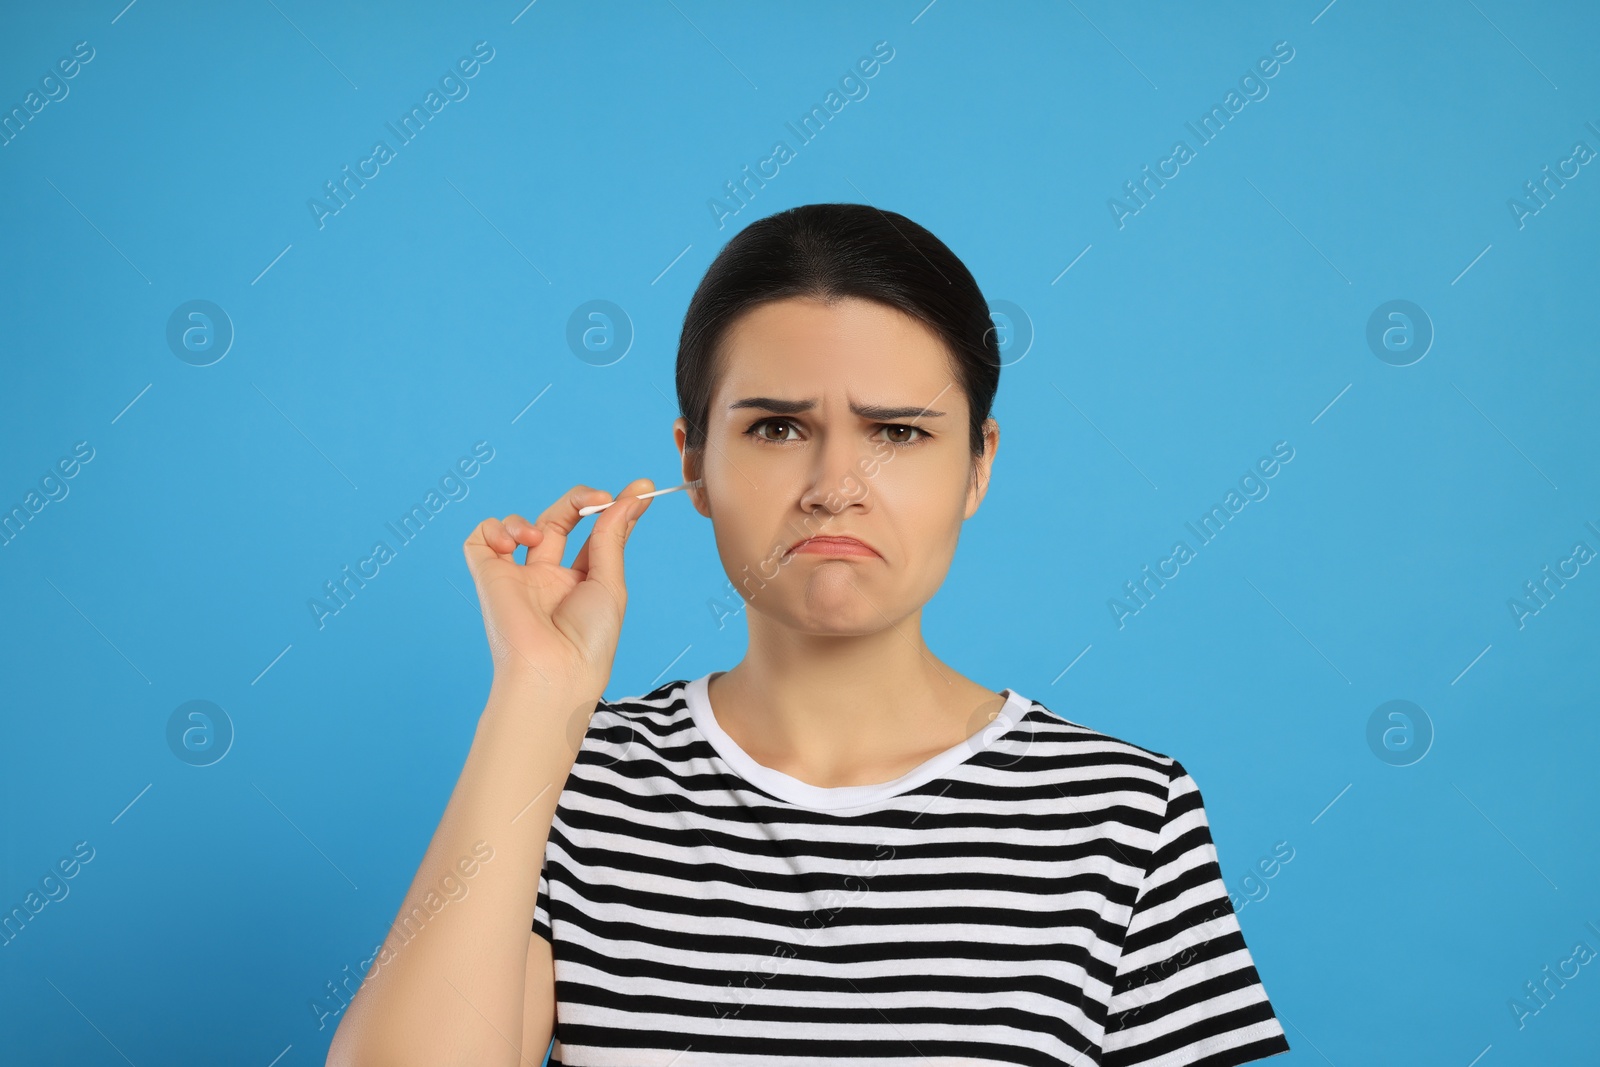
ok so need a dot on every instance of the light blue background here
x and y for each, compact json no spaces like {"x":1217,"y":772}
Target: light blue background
{"x":1230,"y":313}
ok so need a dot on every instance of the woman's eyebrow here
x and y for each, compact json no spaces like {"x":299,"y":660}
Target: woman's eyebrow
{"x":880,"y":412}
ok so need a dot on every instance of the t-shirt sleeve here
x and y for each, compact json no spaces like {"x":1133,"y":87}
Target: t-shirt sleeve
{"x":541,"y":909}
{"x":1186,"y":989}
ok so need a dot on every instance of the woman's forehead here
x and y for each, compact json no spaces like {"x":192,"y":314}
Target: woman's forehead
{"x":804,"y":322}
{"x":883,"y":394}
{"x":852,"y":350}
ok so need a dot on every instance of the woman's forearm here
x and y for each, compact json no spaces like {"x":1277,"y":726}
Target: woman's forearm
{"x":449,"y":983}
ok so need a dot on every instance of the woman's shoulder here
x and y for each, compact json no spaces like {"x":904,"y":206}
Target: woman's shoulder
{"x":1041,"y":721}
{"x":1077,"y":750}
{"x":661,"y":711}
{"x":667,"y":698}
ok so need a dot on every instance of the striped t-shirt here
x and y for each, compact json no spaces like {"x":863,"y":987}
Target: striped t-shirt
{"x":1041,"y":894}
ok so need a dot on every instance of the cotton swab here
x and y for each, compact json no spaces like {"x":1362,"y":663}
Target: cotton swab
{"x":592,"y":508}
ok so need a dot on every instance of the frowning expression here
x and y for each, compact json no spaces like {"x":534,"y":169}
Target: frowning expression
{"x":842,"y":420}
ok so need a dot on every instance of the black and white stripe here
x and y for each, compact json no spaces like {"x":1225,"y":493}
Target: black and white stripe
{"x":1048,"y":895}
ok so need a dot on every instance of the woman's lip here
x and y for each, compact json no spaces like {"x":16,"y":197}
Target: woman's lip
{"x":834,"y":546}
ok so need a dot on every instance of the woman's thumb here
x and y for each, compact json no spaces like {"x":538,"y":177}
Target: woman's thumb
{"x":610,"y":536}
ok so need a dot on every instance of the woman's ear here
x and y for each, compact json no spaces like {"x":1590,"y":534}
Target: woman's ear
{"x":983,"y":467}
{"x":693,"y":466}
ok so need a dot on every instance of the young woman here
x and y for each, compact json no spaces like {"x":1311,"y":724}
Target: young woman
{"x":840,"y":849}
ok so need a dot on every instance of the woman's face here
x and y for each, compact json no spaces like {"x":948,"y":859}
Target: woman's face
{"x":843,"y":420}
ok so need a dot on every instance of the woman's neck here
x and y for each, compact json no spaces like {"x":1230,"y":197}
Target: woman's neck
{"x":842,"y":711}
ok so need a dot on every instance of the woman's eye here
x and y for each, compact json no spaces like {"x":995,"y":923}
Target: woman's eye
{"x":757,"y":428}
{"x":921,"y":434}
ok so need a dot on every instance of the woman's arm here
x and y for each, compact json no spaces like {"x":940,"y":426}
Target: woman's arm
{"x":457,"y":966}
{"x":538,"y":1001}
{"x":450,"y":984}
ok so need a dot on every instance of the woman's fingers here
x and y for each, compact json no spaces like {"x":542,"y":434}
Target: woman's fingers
{"x":601,"y":555}
{"x":557,"y":521}
{"x":580,"y":563}
{"x":546,"y":538}
{"x":517,"y":530}
{"x":498,"y":538}
{"x":488,"y":540}
{"x":502,"y":532}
